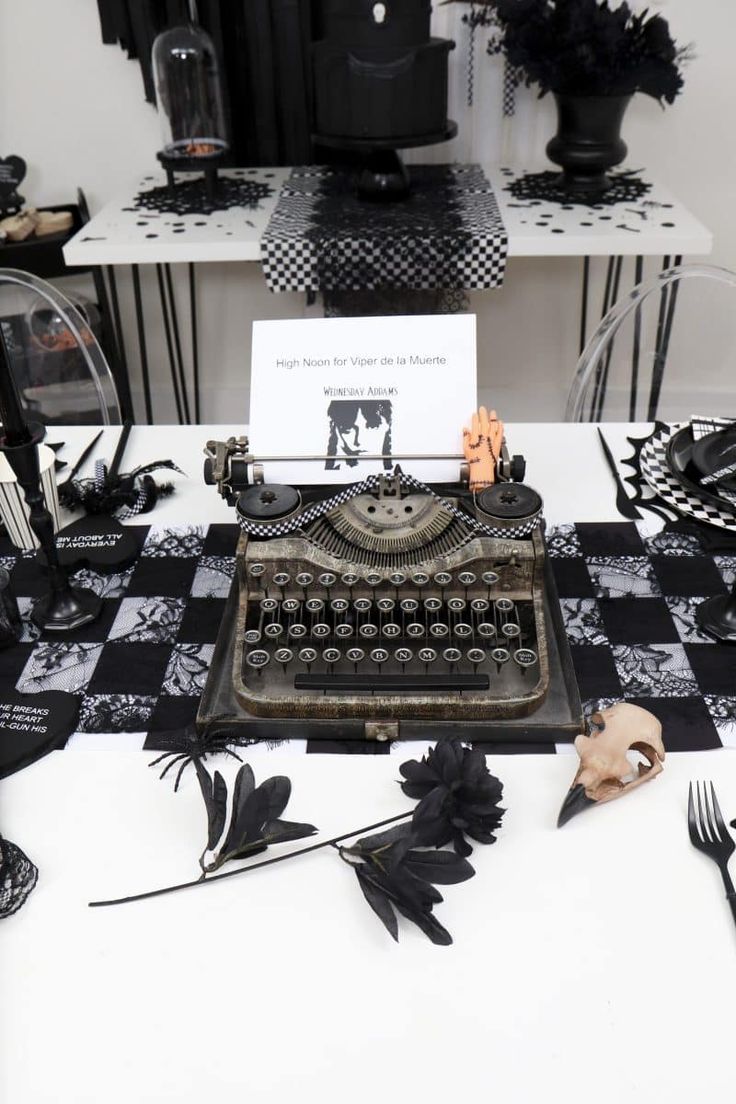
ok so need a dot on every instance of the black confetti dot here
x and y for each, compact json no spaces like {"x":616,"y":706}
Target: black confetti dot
{"x":668,"y":224}
{"x":557,"y":230}
{"x":151,"y":235}
{"x":141,"y":224}
{"x":586,"y":223}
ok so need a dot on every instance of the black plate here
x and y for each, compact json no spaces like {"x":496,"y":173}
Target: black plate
{"x":680,"y":462}
{"x":715,"y":451}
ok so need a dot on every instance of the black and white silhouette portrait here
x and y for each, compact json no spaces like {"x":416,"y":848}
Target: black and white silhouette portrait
{"x":358,"y":429}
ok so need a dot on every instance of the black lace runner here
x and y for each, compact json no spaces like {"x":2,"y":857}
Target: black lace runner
{"x":627,"y":603}
{"x":18,"y":876}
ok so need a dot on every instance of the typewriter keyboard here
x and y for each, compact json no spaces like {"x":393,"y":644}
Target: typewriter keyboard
{"x":449,"y":633}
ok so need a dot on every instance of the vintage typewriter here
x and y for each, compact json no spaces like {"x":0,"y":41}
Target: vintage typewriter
{"x":388,"y":609}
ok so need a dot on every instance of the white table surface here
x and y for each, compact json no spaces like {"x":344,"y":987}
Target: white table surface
{"x":596,"y":962}
{"x":556,"y":456}
{"x":658,"y":224}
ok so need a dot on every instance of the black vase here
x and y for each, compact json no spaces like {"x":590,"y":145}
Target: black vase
{"x":588,"y":140}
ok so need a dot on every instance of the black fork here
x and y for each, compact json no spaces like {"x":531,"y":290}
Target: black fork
{"x":709,"y":833}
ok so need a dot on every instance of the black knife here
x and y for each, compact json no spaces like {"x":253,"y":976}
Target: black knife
{"x":624,"y":505}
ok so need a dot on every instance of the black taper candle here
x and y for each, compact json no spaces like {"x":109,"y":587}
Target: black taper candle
{"x":15,"y":427}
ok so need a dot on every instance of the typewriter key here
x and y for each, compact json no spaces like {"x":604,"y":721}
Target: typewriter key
{"x":373,"y":578}
{"x":397,"y":578}
{"x":420,"y":578}
{"x":439,"y":630}
{"x":525,"y":657}
{"x":339,"y":605}
{"x":409,"y":605}
{"x":290,"y":605}
{"x":385,"y":605}
{"x":490,"y":578}
{"x":307,"y":655}
{"x":304,"y":579}
{"x":252,"y":636}
{"x":504,"y":605}
{"x":257,"y":659}
{"x":281,"y":579}
{"x":349,"y":578}
{"x":476,"y":656}
{"x":462,"y":630}
{"x":443,"y":578}
{"x":274,"y":630}
{"x":362,"y":605}
{"x":327,"y":579}
{"x":452,"y":655}
{"x":510,"y":629}
{"x":256,"y":569}
{"x":415,"y":629}
{"x":379,"y":656}
{"x":369,"y":631}
{"x":479,"y":605}
{"x":485,"y":628}
{"x":320,"y":629}
{"x":403,"y":656}
{"x":389,"y":629}
{"x":500,"y":655}
{"x":427,"y":655}
{"x":314,"y":605}
{"x":297,"y":630}
{"x":344,"y":630}
{"x":457,"y":605}
{"x":268,"y":605}
{"x":283,"y":656}
{"x":355,"y":655}
{"x":466,"y":578}
{"x":431,"y":605}
{"x":331,"y":655}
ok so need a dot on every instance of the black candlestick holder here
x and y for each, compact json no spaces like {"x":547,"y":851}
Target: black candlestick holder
{"x":65,"y":607}
{"x":717,"y":616}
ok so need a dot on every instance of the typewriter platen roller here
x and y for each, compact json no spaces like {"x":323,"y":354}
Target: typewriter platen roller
{"x":387,"y":608}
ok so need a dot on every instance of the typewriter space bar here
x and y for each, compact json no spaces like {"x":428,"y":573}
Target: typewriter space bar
{"x":430,"y":684}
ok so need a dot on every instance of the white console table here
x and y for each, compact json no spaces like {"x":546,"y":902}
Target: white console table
{"x":124,"y":232}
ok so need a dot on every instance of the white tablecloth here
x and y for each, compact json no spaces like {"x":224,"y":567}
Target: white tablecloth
{"x":596,"y":962}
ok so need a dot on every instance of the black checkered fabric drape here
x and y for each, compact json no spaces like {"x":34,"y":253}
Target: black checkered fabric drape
{"x":447,"y":234}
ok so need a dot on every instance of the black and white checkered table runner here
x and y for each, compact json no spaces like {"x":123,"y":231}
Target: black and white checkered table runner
{"x":447,"y":234}
{"x":627,"y":603}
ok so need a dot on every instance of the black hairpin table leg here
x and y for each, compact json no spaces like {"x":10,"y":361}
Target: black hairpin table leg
{"x":169,"y":343}
{"x":667,"y":304}
{"x":142,"y":342}
{"x":195,"y":340}
{"x":636,"y":350}
{"x":177,"y":344}
{"x":584,"y":306}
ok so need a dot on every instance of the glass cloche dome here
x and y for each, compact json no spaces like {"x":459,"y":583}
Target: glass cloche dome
{"x":187,"y":77}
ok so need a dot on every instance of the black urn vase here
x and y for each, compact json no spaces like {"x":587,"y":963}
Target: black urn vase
{"x":588,"y":140}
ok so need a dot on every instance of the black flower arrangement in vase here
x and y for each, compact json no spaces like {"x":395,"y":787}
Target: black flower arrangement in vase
{"x":593,"y":56}
{"x":398,"y":869}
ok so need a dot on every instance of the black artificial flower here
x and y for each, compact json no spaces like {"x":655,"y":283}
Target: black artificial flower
{"x":458,"y":796}
{"x":587,"y":47}
{"x":396,"y":876}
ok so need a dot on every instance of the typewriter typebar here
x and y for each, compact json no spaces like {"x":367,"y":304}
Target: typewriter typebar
{"x":392,"y":603}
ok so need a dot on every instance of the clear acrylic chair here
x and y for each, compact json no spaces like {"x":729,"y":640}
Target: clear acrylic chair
{"x":62,"y":374}
{"x":666,"y":350}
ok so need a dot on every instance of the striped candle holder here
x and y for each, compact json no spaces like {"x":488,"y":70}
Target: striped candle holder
{"x":13,"y":508}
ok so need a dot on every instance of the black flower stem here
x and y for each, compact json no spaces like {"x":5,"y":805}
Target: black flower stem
{"x":202,"y":880}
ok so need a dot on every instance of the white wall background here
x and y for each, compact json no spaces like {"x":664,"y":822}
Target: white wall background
{"x":74,"y":109}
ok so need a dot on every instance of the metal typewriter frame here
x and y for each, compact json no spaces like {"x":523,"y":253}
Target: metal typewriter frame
{"x":228,"y":705}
